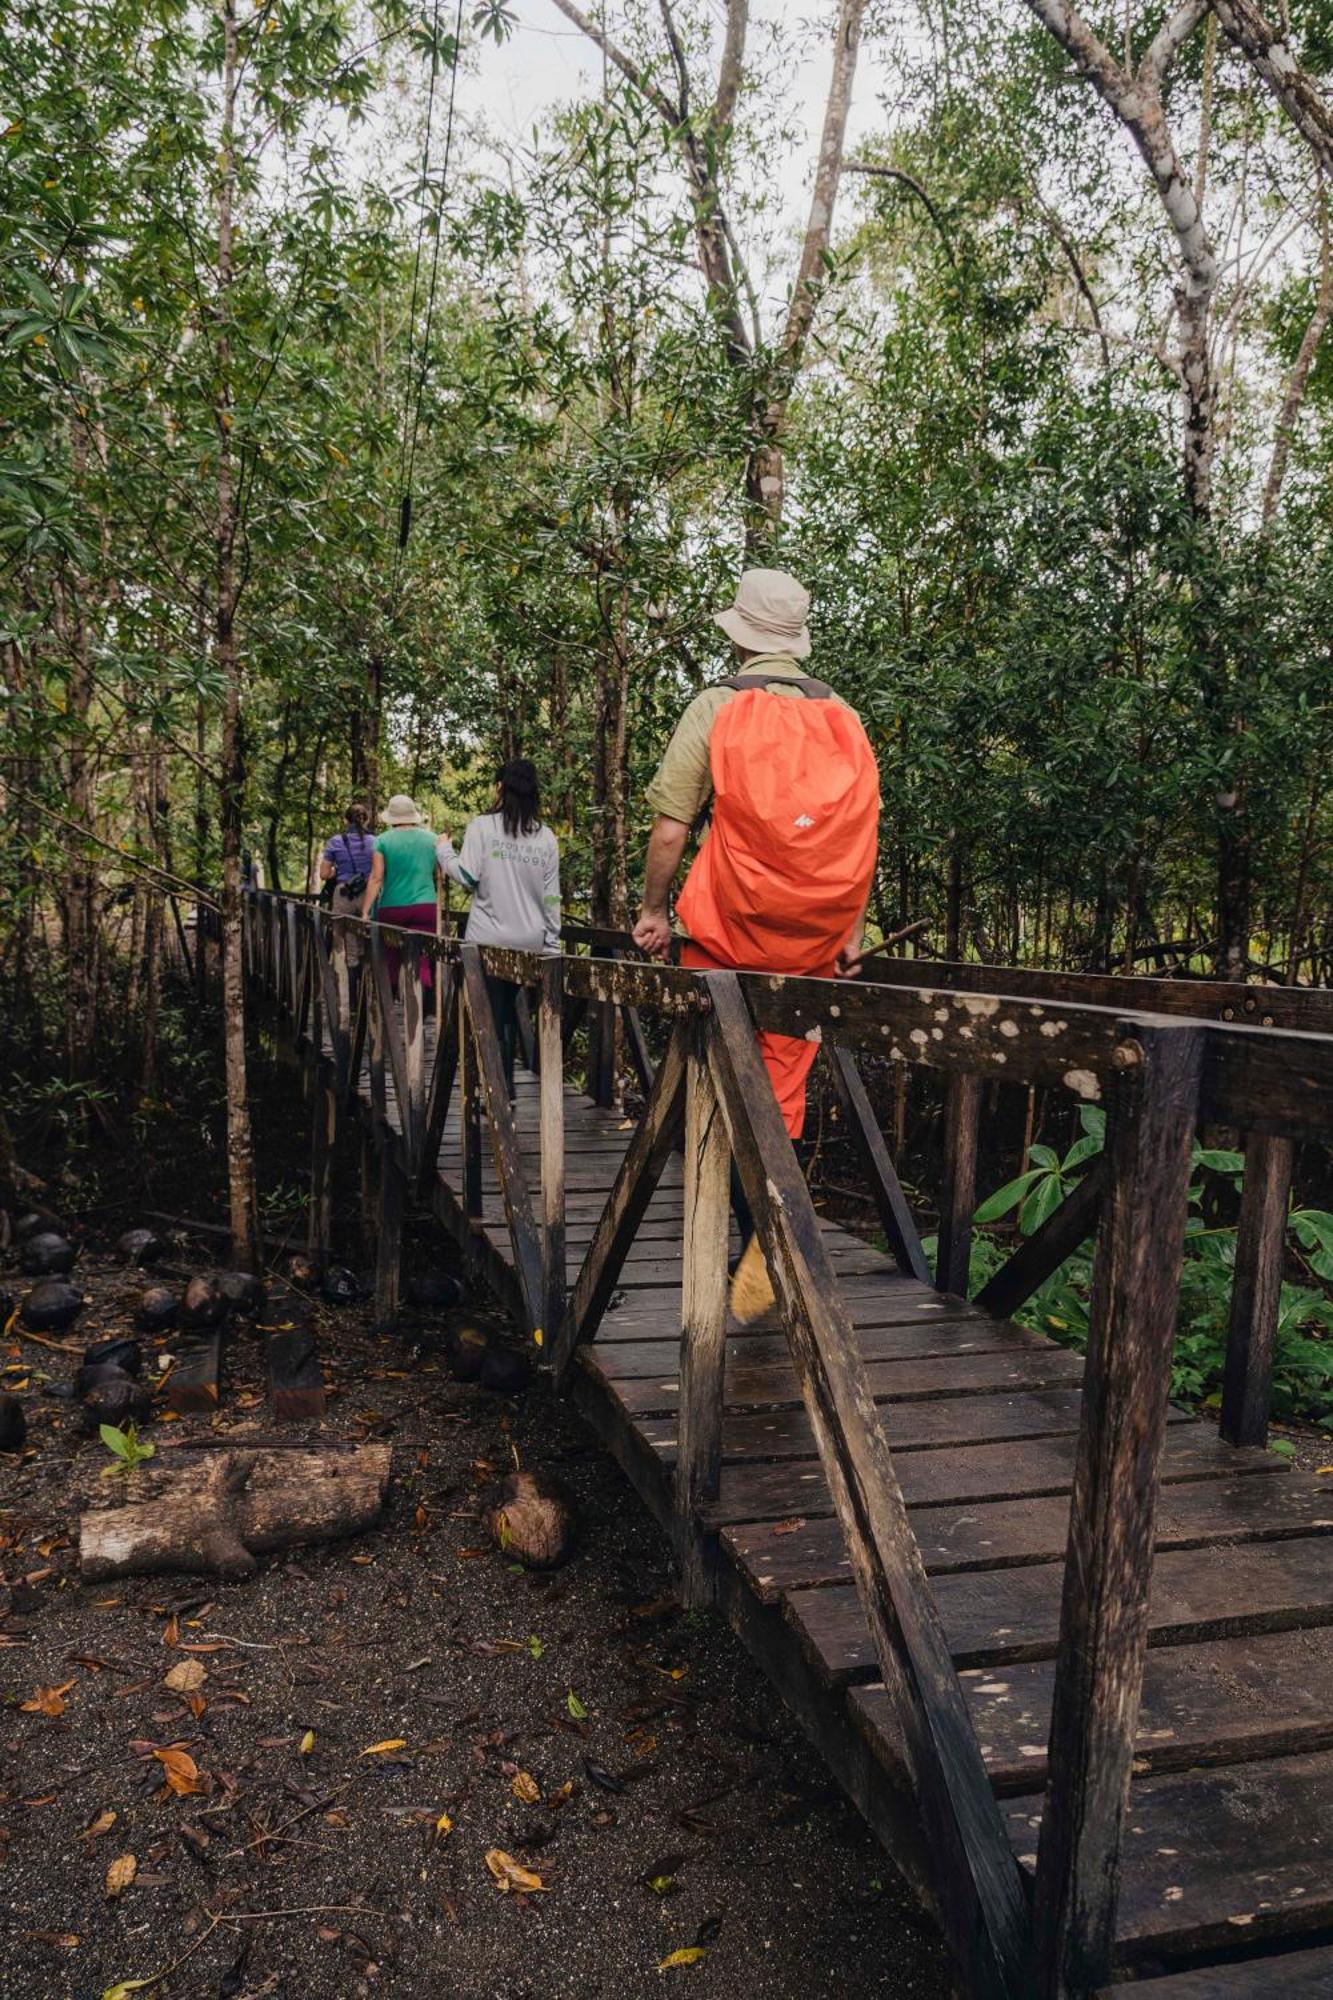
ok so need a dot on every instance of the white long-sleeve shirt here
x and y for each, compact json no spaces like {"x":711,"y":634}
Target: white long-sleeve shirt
{"x":514,"y":879}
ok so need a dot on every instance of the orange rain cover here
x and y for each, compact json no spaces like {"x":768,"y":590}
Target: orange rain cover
{"x":787,"y":865}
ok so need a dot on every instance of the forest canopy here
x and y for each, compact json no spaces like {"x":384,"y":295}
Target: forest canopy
{"x":348,"y":445}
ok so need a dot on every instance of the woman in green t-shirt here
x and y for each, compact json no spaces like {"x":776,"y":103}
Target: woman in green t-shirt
{"x":401,"y":889}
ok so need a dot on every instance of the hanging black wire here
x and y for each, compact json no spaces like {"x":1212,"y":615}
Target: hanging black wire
{"x":414,"y":393}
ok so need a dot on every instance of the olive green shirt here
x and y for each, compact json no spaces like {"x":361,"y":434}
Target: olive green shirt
{"x":683,"y":784}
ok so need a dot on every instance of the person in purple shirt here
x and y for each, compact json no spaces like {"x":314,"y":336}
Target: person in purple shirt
{"x":346,"y":863}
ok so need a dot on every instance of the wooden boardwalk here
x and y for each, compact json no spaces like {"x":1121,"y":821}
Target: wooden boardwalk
{"x":1231,"y":1823}
{"x":1226,"y":1848}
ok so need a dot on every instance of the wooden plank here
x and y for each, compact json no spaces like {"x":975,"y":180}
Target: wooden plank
{"x":323,"y":1150}
{"x":703,"y":1320}
{"x":390,"y":1215}
{"x":953,"y":1420}
{"x":753,"y":1491}
{"x":194,"y":1384}
{"x":1294,"y":1975}
{"x":872,"y":1154}
{"x":1256,"y":1292}
{"x":553,"y":1116}
{"x":996,"y":1616}
{"x":1152,"y":1111}
{"x":985,"y":1913}
{"x":1216,"y":1857}
{"x":443,"y":1070}
{"x":389,"y":1026}
{"x":797,"y":1553}
{"x":525,"y":1242}
{"x":1040,"y":1255}
{"x":469,"y":1179}
{"x":641,"y":1169}
{"x":776,"y":1387}
{"x":1220,"y":1702}
{"x":645,"y":1355}
{"x":295,"y":1382}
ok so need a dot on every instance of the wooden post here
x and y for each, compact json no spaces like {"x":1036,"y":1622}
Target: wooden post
{"x":982,"y":1904}
{"x":1256,"y":1290}
{"x":703,"y":1325}
{"x":509,"y":1169}
{"x":551,"y":1070}
{"x":469,"y":1134}
{"x":895,"y":1216}
{"x":962,"y":1107}
{"x":413,"y":1108}
{"x":323,"y":1145}
{"x":389,"y":1241}
{"x":368,"y":1194}
{"x":1152,"y":1111}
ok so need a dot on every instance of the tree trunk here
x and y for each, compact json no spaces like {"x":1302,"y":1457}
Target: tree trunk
{"x":216,"y":1512}
{"x":242,"y":1201}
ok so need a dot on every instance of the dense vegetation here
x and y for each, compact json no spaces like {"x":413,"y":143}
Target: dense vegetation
{"x":344,"y":448}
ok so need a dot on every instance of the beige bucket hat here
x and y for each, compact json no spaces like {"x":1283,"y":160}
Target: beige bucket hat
{"x":402,"y":811}
{"x":769,"y":614}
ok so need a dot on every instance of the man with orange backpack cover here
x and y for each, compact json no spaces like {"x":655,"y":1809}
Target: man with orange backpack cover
{"x":781,"y":880}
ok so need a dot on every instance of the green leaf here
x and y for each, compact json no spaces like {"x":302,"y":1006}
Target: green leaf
{"x":115,"y":1440}
{"x":1007,"y":1197}
{"x":575,"y":1707}
{"x":1219,"y":1162}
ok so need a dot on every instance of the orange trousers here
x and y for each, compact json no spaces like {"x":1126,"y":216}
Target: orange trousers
{"x":787,"y":1058}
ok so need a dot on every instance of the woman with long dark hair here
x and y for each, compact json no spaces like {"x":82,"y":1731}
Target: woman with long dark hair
{"x":510,"y":864}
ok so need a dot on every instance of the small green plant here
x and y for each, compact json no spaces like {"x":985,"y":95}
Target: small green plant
{"x":128,"y":1447}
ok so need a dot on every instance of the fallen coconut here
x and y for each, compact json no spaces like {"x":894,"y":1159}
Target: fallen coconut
{"x":125,"y":1355}
{"x":433,"y":1290}
{"x":465,"y":1347}
{"x":340,"y":1287}
{"x":141,"y":1247}
{"x":203,"y":1306}
{"x":47,"y":1255}
{"x":114,"y":1397}
{"x":243,"y":1292}
{"x":52,"y":1306}
{"x":534,"y":1520}
{"x":157,"y":1309}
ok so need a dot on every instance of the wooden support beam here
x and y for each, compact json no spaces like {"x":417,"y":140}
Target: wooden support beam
{"x":527,"y":1040}
{"x":509,"y":1169}
{"x":601,"y":1074}
{"x":1040,"y":1255}
{"x":323,"y":1151}
{"x":635,"y":1185}
{"x":412,"y":1109}
{"x":1256,"y":1290}
{"x":639,"y":1057}
{"x":444,"y":1069}
{"x":551,"y":1070}
{"x":872,"y":1154}
{"x":469,"y":1136}
{"x":962,"y":1112}
{"x":980,"y":1891}
{"x":1152,"y":1110}
{"x":703,"y":1326}
{"x":389,"y":1241}
{"x":390,"y":1033}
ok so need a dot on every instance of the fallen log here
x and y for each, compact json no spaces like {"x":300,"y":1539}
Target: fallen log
{"x":216,"y":1515}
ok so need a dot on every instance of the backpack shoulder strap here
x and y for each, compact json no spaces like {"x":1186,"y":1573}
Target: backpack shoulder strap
{"x":812,"y":690}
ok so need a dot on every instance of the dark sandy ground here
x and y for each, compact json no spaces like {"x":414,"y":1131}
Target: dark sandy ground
{"x":677,"y":1806}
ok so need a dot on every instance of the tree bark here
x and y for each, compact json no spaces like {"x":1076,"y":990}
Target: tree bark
{"x":1299,"y":378}
{"x":216,"y":1513}
{"x":241,"y":1195}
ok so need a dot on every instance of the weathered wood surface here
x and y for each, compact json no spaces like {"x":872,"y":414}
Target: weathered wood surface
{"x":982,"y":1420}
{"x":216,"y":1515}
{"x":1261,"y":1245}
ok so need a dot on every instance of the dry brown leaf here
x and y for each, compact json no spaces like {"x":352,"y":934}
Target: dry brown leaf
{"x":390,"y":1743}
{"x":790,"y":1527}
{"x":509,"y":1874}
{"x":119,"y":1876}
{"x":186,"y":1677}
{"x":526,"y":1788}
{"x":104,"y":1822}
{"x":180,"y":1771}
{"x":171,"y":1631}
{"x":48,"y":1701}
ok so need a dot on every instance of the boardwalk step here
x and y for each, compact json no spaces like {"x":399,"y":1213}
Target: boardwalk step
{"x":1263,"y":1695}
{"x":995,"y":1616}
{"x":1292,"y":1975}
{"x":1216,"y":1858}
{"x":623,"y":1360}
{"x":993,"y":1535}
{"x":772,"y":1386}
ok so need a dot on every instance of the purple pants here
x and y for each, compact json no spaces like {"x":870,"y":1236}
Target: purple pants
{"x":407,"y":917}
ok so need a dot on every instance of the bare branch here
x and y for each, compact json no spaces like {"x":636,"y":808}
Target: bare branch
{"x":1299,"y":377}
{"x":628,"y":68}
{"x":677,"y":49}
{"x":828,"y":171}
{"x":910,"y":182}
{"x":1174,"y":32}
{"x":729,"y":71}
{"x":1267,"y":50}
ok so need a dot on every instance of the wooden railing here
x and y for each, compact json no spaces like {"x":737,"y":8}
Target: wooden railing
{"x":1158,"y":1073}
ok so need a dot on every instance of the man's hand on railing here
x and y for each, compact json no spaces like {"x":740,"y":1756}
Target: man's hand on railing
{"x":652,"y":933}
